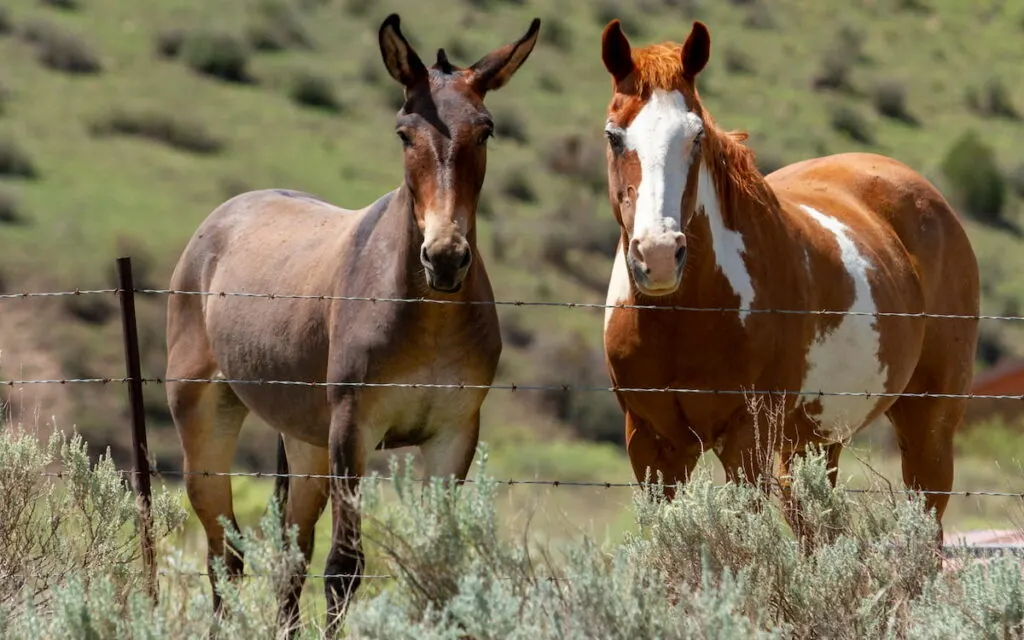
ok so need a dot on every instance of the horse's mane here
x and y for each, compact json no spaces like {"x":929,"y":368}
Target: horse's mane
{"x":733,"y":163}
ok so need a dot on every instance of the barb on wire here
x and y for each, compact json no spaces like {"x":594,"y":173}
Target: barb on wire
{"x":574,"y":305}
{"x":511,"y":482}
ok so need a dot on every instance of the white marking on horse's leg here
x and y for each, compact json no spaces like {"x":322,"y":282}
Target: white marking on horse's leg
{"x":618,"y":285}
{"x":727,"y":244}
{"x":847,"y":358}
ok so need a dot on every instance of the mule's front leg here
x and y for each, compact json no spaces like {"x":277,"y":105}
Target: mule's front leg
{"x":307,"y":498}
{"x":345,"y":561}
{"x":450,"y":453}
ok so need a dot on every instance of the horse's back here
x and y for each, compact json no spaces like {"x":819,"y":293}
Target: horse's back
{"x":881,"y":197}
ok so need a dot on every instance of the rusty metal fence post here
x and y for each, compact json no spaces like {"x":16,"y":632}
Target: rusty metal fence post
{"x":140,"y":448}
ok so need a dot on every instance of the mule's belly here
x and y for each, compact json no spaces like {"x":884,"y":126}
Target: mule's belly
{"x":407,"y":415}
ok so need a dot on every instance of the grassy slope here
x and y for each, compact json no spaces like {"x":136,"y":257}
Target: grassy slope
{"x":93,"y":192}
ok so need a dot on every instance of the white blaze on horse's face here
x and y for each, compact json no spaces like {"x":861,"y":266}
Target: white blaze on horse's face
{"x":662,"y":135}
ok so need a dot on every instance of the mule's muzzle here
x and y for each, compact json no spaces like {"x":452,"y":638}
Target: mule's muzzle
{"x":657,"y":262}
{"x":446,"y":264}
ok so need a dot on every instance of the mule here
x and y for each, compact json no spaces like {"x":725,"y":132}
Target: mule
{"x":417,"y":241}
{"x":702,"y":227}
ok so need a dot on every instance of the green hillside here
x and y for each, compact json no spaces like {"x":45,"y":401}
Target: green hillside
{"x":114,"y":140}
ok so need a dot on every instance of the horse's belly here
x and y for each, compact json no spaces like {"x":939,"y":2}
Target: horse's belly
{"x":844,"y":361}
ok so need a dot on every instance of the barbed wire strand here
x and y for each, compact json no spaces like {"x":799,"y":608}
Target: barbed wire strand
{"x":521,"y":387}
{"x":574,"y":305}
{"x":600,"y":484}
{"x":515,"y":303}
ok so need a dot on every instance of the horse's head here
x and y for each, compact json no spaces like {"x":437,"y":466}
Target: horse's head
{"x":654,"y":128}
{"x":444,"y":126}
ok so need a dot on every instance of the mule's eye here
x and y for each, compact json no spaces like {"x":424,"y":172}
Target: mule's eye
{"x":614,"y":140}
{"x":404,"y":137}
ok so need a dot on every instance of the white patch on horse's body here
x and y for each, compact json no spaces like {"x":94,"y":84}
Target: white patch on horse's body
{"x":727,"y":244}
{"x":661,"y":134}
{"x":846,"y":358}
{"x":618,"y":285}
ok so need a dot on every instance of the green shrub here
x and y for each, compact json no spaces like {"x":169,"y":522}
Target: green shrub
{"x":6,"y":23}
{"x":67,"y":5}
{"x":1016,"y":180}
{"x":61,"y":50}
{"x":168,"y":42}
{"x":171,"y":130}
{"x":760,"y":16}
{"x":738,"y":61}
{"x":217,"y":54}
{"x":81,"y":526}
{"x":890,"y":100}
{"x":992,"y":100}
{"x":976,"y":182}
{"x":510,"y":125}
{"x":557,"y":34}
{"x":850,"y":122}
{"x":716,"y":561}
{"x":10,"y":209}
{"x":566,"y":359}
{"x":607,"y":10}
{"x":277,"y":27}
{"x":517,"y":186}
{"x":315,"y":91}
{"x":15,"y":162}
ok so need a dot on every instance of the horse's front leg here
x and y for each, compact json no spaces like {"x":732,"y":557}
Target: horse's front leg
{"x":345,"y":560}
{"x":649,"y":452}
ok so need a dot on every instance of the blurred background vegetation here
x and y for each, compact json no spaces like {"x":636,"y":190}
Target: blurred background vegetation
{"x":123,"y":124}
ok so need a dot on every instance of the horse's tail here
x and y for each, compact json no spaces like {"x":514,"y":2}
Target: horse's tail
{"x":281,"y":480}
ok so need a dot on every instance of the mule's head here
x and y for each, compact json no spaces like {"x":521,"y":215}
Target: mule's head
{"x":654,"y":128}
{"x":444,"y":126}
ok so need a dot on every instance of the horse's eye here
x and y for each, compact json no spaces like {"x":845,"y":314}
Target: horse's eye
{"x":404,"y":137}
{"x":485,"y":135}
{"x":614,"y":140}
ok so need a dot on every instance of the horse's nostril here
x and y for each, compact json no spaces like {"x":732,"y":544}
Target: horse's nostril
{"x":466,"y":257}
{"x":680,"y":255}
{"x":423,"y":255}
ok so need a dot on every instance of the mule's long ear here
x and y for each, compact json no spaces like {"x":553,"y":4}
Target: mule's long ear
{"x":399,"y":57}
{"x":494,"y":70}
{"x":696,"y":51}
{"x":616,"y":52}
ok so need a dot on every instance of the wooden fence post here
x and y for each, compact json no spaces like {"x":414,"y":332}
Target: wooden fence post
{"x":140,"y":448}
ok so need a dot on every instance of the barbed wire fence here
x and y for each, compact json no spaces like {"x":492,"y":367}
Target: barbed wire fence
{"x":134,"y":379}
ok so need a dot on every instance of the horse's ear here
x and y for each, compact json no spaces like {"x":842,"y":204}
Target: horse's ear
{"x":696,"y":50}
{"x":399,"y":57}
{"x":616,"y":52}
{"x":494,"y":70}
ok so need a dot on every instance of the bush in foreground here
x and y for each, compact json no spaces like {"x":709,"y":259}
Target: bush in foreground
{"x":716,"y":562}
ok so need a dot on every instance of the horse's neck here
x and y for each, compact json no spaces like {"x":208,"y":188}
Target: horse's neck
{"x":735,"y":225}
